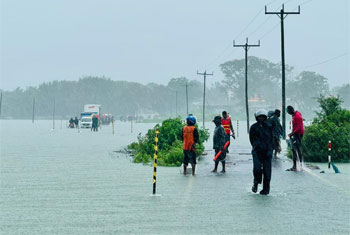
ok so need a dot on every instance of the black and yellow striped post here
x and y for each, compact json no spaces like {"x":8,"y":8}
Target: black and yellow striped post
{"x":155,"y":162}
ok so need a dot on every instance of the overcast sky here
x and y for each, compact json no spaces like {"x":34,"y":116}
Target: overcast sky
{"x":155,"y":40}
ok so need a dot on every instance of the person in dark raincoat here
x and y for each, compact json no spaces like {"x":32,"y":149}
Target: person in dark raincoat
{"x":277,"y":131}
{"x":260,"y":136}
{"x":71,"y":123}
{"x":76,"y":122}
{"x":94,"y":123}
{"x":219,"y":139}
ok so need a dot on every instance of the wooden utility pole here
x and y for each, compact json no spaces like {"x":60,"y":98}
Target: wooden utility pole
{"x":282,"y":15}
{"x":186,"y":85}
{"x":33,"y":109}
{"x":0,"y":103}
{"x":53,"y":114}
{"x":175,"y":104}
{"x":246,"y":47}
{"x":205,"y":74}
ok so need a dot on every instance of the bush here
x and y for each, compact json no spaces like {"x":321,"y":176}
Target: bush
{"x":332,"y":123}
{"x":170,"y":151}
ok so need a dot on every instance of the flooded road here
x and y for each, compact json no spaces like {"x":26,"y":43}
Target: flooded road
{"x":64,"y":182}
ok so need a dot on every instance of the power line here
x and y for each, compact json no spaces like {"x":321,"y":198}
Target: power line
{"x":235,"y":38}
{"x":223,"y":52}
{"x":270,"y":31}
{"x":275,"y":26}
{"x":326,"y":61}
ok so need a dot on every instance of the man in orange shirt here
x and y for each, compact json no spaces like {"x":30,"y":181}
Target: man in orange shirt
{"x":227,"y":125}
{"x":190,"y":137}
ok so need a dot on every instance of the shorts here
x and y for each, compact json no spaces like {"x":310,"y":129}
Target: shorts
{"x":189,"y":157}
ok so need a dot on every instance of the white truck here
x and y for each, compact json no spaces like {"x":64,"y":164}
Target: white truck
{"x":86,"y":116}
{"x":92,"y":108}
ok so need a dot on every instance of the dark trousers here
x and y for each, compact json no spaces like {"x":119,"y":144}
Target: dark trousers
{"x":227,"y":138}
{"x":297,"y":149}
{"x":262,"y":167}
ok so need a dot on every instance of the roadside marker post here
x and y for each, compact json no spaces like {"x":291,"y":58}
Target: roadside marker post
{"x":113,"y":125}
{"x":329,"y":154}
{"x":155,"y":162}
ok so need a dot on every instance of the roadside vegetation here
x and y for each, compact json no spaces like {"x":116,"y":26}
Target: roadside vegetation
{"x":170,"y":151}
{"x":332,"y":123}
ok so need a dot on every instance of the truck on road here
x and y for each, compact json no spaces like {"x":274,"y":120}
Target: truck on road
{"x":86,"y":116}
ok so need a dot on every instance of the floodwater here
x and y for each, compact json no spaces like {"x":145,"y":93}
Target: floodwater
{"x":64,"y":182}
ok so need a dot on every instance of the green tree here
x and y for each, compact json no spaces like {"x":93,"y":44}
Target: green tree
{"x":304,"y":90}
{"x":264,"y":79}
{"x":170,"y":151}
{"x":344,"y":93}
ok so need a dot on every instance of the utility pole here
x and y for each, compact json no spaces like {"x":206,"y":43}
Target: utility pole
{"x":175,"y":104}
{"x":0,"y":103}
{"x":33,"y":109}
{"x":205,"y":74}
{"x":53,"y":114}
{"x":186,"y":99}
{"x":186,"y":85}
{"x":246,"y":47}
{"x":282,"y":15}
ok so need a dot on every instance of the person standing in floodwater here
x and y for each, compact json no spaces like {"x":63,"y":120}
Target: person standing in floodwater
{"x":94,"y":123}
{"x":76,"y":122}
{"x":190,"y":137}
{"x":219,"y":139}
{"x":71,"y":123}
{"x":277,"y":131}
{"x":260,"y":136}
{"x":296,"y":136}
{"x":227,"y":124}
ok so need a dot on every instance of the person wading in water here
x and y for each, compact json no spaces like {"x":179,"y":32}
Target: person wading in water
{"x":190,"y":137}
{"x":260,"y":135}
{"x":219,"y":143}
{"x":296,"y":136}
{"x":227,"y":124}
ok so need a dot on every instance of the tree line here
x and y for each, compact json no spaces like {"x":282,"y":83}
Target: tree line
{"x":122,"y":98}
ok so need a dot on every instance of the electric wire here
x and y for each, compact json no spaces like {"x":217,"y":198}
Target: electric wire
{"x":326,"y":61}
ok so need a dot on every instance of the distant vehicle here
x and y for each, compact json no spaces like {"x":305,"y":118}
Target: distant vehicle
{"x":106,"y":119}
{"x":93,"y":108}
{"x":86,"y":122}
{"x":89,"y":111}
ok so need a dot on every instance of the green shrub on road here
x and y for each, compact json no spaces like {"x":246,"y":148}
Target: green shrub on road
{"x":170,"y":151}
{"x":332,"y":123}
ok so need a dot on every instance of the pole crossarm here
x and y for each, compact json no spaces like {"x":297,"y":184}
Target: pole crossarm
{"x":205,"y":73}
{"x":282,"y":11}
{"x":246,"y":44}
